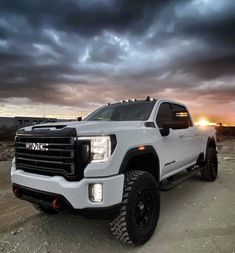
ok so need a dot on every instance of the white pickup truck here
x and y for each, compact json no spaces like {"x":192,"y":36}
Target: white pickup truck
{"x":113,"y":163}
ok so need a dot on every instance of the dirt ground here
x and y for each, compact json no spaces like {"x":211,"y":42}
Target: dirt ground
{"x":196,"y":216}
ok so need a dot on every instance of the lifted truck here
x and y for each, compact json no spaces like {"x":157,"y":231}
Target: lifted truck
{"x":114,"y":162}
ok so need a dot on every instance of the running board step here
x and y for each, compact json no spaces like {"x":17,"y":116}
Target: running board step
{"x":168,"y":185}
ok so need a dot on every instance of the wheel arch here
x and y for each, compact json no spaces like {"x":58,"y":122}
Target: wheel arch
{"x":143,"y":158}
{"x":211,"y":143}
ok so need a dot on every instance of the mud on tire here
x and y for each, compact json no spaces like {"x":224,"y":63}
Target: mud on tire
{"x":139,"y":212}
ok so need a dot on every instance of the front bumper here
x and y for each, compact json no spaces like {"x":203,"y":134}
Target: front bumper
{"x":75,"y":193}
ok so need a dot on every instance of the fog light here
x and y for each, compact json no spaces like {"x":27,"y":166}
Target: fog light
{"x":56,"y":204}
{"x":17,"y":192}
{"x":96,"y":192}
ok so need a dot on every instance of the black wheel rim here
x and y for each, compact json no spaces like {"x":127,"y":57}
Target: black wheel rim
{"x":144,"y":208}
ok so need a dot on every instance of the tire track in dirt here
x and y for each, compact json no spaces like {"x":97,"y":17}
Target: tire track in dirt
{"x":13,"y":211}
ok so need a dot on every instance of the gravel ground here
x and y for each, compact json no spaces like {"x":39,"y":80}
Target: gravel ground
{"x":6,"y":150}
{"x":196,"y":216}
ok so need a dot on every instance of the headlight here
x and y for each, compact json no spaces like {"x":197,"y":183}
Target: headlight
{"x":100,"y":147}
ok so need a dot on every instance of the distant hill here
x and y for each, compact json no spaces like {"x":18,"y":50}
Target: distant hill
{"x":225,"y":130}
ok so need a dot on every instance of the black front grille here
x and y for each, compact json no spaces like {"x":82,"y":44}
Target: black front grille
{"x":43,"y":152}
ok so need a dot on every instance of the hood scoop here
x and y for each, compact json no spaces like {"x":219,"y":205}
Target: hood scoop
{"x":51,"y":127}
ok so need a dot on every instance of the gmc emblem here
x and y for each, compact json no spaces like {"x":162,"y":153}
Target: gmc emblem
{"x":37,"y":146}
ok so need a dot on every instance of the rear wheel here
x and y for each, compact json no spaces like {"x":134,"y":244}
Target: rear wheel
{"x":209,"y":170}
{"x":139,"y":213}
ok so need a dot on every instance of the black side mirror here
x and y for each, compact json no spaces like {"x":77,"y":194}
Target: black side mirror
{"x":79,"y":118}
{"x":164,"y":131}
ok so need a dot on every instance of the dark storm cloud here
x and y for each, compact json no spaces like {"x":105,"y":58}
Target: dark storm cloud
{"x":87,"y":17}
{"x":51,"y":50}
{"x":214,"y":67}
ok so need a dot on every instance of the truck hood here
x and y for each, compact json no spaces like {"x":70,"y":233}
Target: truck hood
{"x":90,"y":127}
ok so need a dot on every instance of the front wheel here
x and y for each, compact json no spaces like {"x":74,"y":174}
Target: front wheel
{"x":209,"y":170}
{"x":139,"y":213}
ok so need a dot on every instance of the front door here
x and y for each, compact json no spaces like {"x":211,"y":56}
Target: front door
{"x":176,"y":150}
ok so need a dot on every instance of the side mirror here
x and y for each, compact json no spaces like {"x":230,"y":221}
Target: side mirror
{"x":164,"y":131}
{"x":79,"y":118}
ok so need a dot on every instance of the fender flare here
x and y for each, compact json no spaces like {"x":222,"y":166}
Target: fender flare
{"x":211,"y":142}
{"x":134,"y":152}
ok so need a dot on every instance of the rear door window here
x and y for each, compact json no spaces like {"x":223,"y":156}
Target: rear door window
{"x":180,"y":114}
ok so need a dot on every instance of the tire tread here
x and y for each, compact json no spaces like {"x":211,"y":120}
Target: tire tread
{"x":119,"y":224}
{"x":206,"y":172}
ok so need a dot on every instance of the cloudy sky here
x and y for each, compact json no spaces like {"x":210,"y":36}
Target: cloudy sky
{"x":72,"y":56}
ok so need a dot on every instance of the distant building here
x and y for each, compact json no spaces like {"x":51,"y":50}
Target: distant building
{"x":7,"y":122}
{"x":18,"y":122}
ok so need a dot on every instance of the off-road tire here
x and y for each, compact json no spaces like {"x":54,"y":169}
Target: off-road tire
{"x":126,"y":225}
{"x":209,"y":170}
{"x":44,"y":210}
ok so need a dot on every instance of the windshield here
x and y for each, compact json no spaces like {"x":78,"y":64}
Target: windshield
{"x":127,"y":111}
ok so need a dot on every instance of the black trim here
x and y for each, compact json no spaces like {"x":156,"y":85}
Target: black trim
{"x":49,"y":126}
{"x":45,"y":199}
{"x":168,"y":185}
{"x":136,"y":152}
{"x":42,"y":198}
{"x":40,"y":132}
{"x":113,"y":139}
{"x":149,"y":124}
{"x":104,"y":213}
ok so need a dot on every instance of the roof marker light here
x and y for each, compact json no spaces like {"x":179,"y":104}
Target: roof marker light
{"x":148,"y":98}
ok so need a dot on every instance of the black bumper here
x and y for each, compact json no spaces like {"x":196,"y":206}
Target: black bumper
{"x":47,"y":199}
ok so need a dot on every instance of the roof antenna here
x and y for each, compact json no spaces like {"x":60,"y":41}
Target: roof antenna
{"x":148,"y":98}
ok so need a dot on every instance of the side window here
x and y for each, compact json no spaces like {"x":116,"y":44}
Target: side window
{"x":106,"y":115}
{"x":164,"y":114}
{"x":180,"y":114}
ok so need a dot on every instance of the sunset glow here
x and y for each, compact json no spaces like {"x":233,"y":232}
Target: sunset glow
{"x":71,"y":57}
{"x":204,"y":122}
